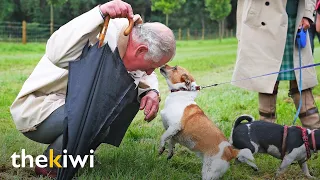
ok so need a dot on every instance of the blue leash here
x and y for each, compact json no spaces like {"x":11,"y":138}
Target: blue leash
{"x":300,"y":44}
{"x":244,"y":79}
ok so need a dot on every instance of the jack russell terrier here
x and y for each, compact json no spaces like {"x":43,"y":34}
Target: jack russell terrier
{"x":187,"y":124}
{"x":266,"y":137}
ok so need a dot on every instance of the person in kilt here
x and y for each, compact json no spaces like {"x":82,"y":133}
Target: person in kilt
{"x":266,"y":33}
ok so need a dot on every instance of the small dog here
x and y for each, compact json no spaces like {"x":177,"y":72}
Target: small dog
{"x":187,"y":124}
{"x":266,"y":137}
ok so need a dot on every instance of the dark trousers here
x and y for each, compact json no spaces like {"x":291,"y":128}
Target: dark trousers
{"x":50,"y":131}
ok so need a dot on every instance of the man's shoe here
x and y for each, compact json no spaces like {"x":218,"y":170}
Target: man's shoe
{"x":46,"y":172}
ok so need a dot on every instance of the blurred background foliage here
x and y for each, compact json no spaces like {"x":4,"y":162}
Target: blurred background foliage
{"x":193,"y":14}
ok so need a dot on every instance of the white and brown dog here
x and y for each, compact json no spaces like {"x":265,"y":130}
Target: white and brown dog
{"x":286,"y":143}
{"x":187,"y":124}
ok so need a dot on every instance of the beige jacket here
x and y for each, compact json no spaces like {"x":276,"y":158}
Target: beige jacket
{"x":261,"y":47}
{"x":45,"y":89}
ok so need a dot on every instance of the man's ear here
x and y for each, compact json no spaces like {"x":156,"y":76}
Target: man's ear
{"x":185,"y":78}
{"x":141,"y":50}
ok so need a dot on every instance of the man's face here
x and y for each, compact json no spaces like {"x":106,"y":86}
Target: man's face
{"x":134,"y":59}
{"x":147,"y":65}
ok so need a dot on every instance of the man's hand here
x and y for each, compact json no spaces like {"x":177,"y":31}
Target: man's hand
{"x":117,"y":9}
{"x":305,"y":23}
{"x":150,"y":104}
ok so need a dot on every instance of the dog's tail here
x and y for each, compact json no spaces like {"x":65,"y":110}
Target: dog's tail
{"x":245,"y":156}
{"x":238,"y":121}
{"x":241,"y":118}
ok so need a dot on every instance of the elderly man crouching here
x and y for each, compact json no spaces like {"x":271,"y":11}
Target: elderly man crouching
{"x":38,"y":110}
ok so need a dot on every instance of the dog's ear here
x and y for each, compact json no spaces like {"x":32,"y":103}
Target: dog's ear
{"x":185,"y":78}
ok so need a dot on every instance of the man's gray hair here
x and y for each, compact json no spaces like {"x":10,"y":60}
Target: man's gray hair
{"x":160,"y":42}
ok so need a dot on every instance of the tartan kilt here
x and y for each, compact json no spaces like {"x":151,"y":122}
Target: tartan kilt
{"x":287,"y":59}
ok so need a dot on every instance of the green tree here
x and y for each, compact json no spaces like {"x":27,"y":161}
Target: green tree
{"x":196,"y":19}
{"x":53,"y":3}
{"x":139,"y":6}
{"x":192,"y":15}
{"x":219,"y":10}
{"x":167,"y":6}
{"x":6,"y":9}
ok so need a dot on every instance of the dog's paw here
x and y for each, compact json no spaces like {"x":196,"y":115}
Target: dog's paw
{"x":170,"y":156}
{"x":161,"y":149}
{"x":311,"y":177}
{"x":278,"y":174}
{"x":255,"y":168}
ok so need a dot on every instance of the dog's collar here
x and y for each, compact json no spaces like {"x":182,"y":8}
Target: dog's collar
{"x":197,"y":88}
{"x":305,"y":140}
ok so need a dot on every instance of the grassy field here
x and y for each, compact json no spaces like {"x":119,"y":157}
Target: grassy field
{"x":137,"y":157}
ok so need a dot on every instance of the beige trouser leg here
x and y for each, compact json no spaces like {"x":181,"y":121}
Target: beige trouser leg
{"x":267,"y":105}
{"x":309,"y":115}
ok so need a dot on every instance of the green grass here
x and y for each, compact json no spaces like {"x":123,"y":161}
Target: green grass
{"x":209,"y":62}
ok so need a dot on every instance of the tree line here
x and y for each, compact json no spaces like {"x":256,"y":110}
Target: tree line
{"x":194,"y":14}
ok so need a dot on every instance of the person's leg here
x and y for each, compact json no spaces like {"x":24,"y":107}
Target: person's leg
{"x":50,"y":131}
{"x":267,"y":105}
{"x":309,"y":115}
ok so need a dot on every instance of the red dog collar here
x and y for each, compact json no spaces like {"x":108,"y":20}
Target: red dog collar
{"x":305,"y":140}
